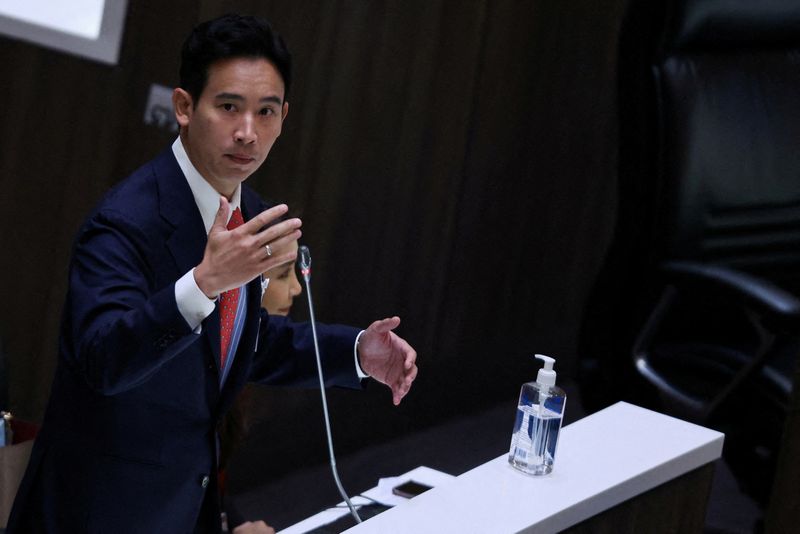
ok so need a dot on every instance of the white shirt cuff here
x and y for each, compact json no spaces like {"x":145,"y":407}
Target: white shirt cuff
{"x":193,"y":304}
{"x":359,"y":371}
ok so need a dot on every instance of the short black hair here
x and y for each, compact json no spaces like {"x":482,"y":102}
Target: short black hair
{"x":231,"y":36}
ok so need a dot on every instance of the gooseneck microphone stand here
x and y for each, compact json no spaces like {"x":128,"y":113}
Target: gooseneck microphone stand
{"x":305,"y":270}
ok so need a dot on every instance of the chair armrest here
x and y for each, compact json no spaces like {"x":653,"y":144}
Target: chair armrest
{"x":766,"y":297}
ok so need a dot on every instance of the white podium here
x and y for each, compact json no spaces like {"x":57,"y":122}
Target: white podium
{"x":602,"y":460}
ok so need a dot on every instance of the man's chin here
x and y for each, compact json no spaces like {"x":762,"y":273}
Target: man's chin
{"x":238,"y":175}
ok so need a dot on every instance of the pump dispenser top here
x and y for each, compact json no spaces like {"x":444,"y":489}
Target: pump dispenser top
{"x":546,"y":376}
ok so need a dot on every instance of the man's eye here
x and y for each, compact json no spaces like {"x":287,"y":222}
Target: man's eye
{"x":266,"y":111}
{"x":228,"y":106}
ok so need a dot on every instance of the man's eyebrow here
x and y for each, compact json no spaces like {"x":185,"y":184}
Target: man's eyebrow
{"x":229,"y":96}
{"x":240,"y":98}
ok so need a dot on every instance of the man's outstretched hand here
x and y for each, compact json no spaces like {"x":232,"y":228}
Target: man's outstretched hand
{"x":387,"y":357}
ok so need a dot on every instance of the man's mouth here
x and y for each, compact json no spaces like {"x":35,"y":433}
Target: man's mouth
{"x":240,"y":159}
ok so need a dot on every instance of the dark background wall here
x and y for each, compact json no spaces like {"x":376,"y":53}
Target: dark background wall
{"x":454,"y":163}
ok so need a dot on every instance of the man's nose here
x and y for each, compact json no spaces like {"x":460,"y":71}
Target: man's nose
{"x":245,"y":131}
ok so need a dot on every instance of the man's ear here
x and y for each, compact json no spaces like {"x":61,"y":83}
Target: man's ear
{"x":183,"y":105}
{"x":284,"y":111}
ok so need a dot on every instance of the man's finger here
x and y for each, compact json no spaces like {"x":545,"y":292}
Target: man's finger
{"x":277,"y":246}
{"x":280,"y":255}
{"x":398,"y":396}
{"x":412,"y":374}
{"x":386,"y":325}
{"x":411,"y":359}
{"x":275,"y":232}
{"x":264,"y":218}
{"x":273,"y":262}
{"x":221,"y":218}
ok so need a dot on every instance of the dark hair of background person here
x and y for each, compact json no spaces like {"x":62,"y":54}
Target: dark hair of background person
{"x":226,"y":37}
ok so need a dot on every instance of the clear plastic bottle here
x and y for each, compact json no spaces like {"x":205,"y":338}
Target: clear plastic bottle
{"x":538,"y":423}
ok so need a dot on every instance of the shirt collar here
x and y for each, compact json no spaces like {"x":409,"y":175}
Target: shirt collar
{"x":205,"y":196}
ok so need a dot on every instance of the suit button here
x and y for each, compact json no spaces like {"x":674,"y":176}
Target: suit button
{"x":204,"y":481}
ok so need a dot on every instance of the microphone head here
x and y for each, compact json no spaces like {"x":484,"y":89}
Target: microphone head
{"x":304,"y":258}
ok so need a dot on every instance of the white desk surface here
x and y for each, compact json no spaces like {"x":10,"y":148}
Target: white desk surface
{"x":602,"y":460}
{"x":423,"y":474}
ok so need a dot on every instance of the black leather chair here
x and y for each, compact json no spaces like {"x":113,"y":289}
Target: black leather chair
{"x":696,"y":311}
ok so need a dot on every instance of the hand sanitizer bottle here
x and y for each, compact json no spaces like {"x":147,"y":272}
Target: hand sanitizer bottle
{"x":538,"y":423}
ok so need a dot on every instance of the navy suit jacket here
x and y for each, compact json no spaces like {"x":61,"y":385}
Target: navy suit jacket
{"x":128,"y":442}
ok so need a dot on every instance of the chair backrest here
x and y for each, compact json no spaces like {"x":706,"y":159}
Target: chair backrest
{"x":709,"y":159}
{"x":710,"y":131}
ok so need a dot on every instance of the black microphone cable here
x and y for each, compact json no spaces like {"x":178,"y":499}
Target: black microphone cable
{"x":305,"y":269}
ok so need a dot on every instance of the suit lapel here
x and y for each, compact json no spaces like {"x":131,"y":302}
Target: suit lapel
{"x":187,"y":245}
{"x":188,"y":239}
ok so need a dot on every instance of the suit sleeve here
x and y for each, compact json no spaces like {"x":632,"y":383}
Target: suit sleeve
{"x":120,"y":327}
{"x":286,"y":354}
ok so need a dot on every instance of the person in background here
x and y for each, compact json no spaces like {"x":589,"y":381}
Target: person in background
{"x":162,"y":324}
{"x":283,"y":286}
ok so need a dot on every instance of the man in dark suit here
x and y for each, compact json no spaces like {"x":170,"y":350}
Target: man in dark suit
{"x":162,"y":324}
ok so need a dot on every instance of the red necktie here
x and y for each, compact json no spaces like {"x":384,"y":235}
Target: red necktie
{"x":228,"y":302}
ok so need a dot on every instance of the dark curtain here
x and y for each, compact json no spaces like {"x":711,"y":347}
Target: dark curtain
{"x":453,"y":163}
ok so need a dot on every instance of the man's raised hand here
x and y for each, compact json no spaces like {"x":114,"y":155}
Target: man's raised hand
{"x":234,"y":257}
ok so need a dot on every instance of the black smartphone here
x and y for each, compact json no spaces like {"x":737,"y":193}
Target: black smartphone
{"x":410,"y":489}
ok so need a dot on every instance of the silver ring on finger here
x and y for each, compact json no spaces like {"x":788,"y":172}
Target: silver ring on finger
{"x":268,"y":249}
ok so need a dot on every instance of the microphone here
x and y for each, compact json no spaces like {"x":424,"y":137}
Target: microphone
{"x":304,"y":259}
{"x":305,"y":264}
